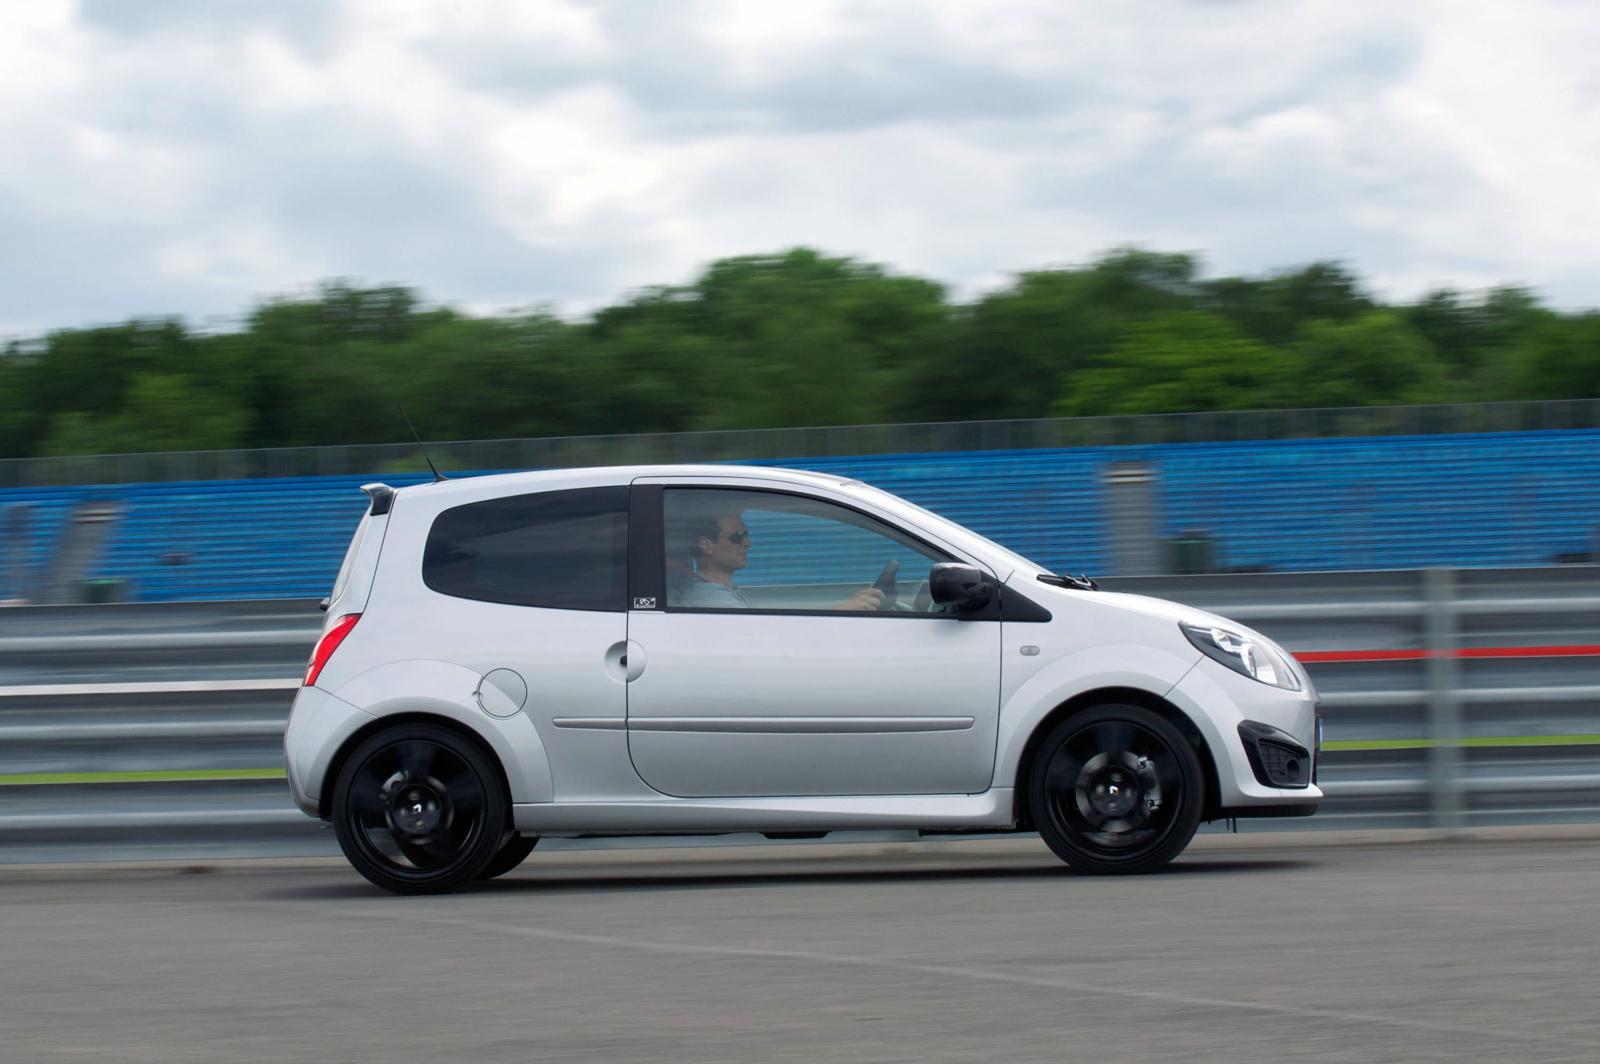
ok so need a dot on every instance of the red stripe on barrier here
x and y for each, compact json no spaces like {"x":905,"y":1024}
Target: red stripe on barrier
{"x":1313,"y":656}
{"x":1529,"y":652}
{"x":1361,"y":655}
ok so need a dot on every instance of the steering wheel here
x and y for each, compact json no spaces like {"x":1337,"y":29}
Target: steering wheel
{"x":887,"y":584}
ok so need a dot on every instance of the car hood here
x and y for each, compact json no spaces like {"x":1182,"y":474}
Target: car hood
{"x":1176,"y":613}
{"x":1161,"y":609}
{"x":1168,"y":610}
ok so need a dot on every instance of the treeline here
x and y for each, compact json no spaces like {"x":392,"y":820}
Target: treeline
{"x":782,"y":340}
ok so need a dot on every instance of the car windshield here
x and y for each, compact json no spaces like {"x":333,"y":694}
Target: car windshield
{"x":955,"y":532}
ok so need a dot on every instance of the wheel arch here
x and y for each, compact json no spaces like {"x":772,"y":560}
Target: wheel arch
{"x":1102,"y":696}
{"x":366,"y":731}
{"x":443,"y":691}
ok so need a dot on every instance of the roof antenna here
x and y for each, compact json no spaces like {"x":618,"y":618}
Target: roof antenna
{"x":437,"y":476}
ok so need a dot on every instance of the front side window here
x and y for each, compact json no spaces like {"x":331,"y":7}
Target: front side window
{"x":736,"y":549}
{"x":564,"y":550}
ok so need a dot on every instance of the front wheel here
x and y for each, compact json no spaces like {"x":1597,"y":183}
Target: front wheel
{"x":419,"y":809}
{"x":1116,"y":789}
{"x":511,"y":853}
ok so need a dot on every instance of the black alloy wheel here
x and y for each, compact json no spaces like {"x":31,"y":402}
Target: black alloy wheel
{"x":419,"y":809}
{"x":1116,"y":789}
{"x":511,"y":853}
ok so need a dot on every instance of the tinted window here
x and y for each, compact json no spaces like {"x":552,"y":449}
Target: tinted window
{"x":740,"y":549}
{"x":343,"y":578}
{"x":564,"y":550}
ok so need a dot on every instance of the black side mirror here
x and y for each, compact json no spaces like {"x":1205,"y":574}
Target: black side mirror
{"x":965,"y":587}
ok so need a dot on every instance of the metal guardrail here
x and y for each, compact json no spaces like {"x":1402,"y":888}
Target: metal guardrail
{"x":1452,"y":698}
{"x":755,"y":444}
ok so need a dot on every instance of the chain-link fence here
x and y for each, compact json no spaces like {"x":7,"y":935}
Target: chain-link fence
{"x":756,"y":444}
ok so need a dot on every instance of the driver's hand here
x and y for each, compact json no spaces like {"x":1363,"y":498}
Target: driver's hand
{"x":866,"y":600}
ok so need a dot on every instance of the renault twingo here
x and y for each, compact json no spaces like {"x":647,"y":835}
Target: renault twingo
{"x":658,"y":650}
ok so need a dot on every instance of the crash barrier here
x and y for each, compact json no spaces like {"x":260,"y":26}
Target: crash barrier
{"x":1504,"y":499}
{"x":1451,"y":699}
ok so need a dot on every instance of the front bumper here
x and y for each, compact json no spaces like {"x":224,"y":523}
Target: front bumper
{"x":1220,"y":701}
{"x":1275,"y":757}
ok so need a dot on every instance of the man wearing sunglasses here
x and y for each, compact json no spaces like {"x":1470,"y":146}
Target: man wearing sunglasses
{"x":721,"y":547}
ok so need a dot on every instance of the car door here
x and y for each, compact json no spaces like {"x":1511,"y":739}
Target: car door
{"x":777,"y":682}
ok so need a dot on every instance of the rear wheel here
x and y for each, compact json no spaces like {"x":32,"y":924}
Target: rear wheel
{"x":1116,"y":789}
{"x":511,"y":853}
{"x":419,"y":809}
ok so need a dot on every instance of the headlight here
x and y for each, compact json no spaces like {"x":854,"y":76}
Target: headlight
{"x":1253,"y":657}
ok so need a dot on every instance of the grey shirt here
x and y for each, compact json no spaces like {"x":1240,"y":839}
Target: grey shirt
{"x":702,"y":593}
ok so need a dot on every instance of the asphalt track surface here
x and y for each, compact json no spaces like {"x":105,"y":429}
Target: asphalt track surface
{"x":1330,"y":947}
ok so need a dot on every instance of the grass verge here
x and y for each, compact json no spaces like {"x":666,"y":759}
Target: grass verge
{"x":180,"y":775}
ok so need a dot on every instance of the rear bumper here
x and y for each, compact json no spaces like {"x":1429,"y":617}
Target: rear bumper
{"x":318,"y":723}
{"x":306,"y":703}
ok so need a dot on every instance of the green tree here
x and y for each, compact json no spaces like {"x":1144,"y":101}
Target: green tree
{"x":787,"y":339}
{"x":89,"y":369}
{"x":1478,"y":339}
{"x":162,"y":412}
{"x":1178,"y":362}
{"x":342,"y":312}
{"x":327,"y":369}
{"x":20,"y":421}
{"x":493,"y":378}
{"x":1375,"y":360}
{"x":648,"y":365}
{"x":1559,"y":359}
{"x":801,"y":339}
{"x":1008,"y":353}
{"x":1273,"y":309}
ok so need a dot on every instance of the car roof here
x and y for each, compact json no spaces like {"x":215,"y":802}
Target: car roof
{"x":438,"y":495}
{"x":592,"y":476}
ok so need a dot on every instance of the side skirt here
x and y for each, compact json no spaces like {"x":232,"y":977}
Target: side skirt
{"x":991,"y":809}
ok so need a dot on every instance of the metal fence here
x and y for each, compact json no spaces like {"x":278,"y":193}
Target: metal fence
{"x":756,"y":444}
{"x":1452,"y":698}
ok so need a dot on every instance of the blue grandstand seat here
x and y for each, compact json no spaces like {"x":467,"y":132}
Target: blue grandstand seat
{"x":48,"y":511}
{"x":1392,"y":502}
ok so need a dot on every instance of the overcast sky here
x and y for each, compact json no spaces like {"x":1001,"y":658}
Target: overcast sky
{"x":192,"y":156}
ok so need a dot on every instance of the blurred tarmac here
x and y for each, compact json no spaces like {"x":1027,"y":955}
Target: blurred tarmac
{"x":1339,"y":946}
{"x":1026,"y":845}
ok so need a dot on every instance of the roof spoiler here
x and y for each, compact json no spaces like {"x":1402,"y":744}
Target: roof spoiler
{"x":382,"y":498}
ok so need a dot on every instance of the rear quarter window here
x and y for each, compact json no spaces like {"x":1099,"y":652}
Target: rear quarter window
{"x":564,"y":550}
{"x":342,"y":581}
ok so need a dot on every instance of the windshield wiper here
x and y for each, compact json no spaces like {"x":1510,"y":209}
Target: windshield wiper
{"x":1080,"y":582}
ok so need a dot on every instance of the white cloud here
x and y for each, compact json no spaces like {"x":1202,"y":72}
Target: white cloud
{"x":37,"y":49}
{"x":190,"y":156}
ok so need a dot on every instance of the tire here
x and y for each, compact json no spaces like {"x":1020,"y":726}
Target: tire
{"x":511,"y":853}
{"x":419,"y":809}
{"x":1116,"y":789}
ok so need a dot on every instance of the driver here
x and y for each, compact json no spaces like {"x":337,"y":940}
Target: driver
{"x":721,"y":547}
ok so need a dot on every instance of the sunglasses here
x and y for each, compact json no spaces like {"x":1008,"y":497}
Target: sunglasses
{"x":738,"y":539}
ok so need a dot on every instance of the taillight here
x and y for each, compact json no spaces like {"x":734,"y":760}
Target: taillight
{"x":328,"y":644}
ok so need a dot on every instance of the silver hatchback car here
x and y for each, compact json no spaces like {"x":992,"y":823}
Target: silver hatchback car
{"x":660,"y":650}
